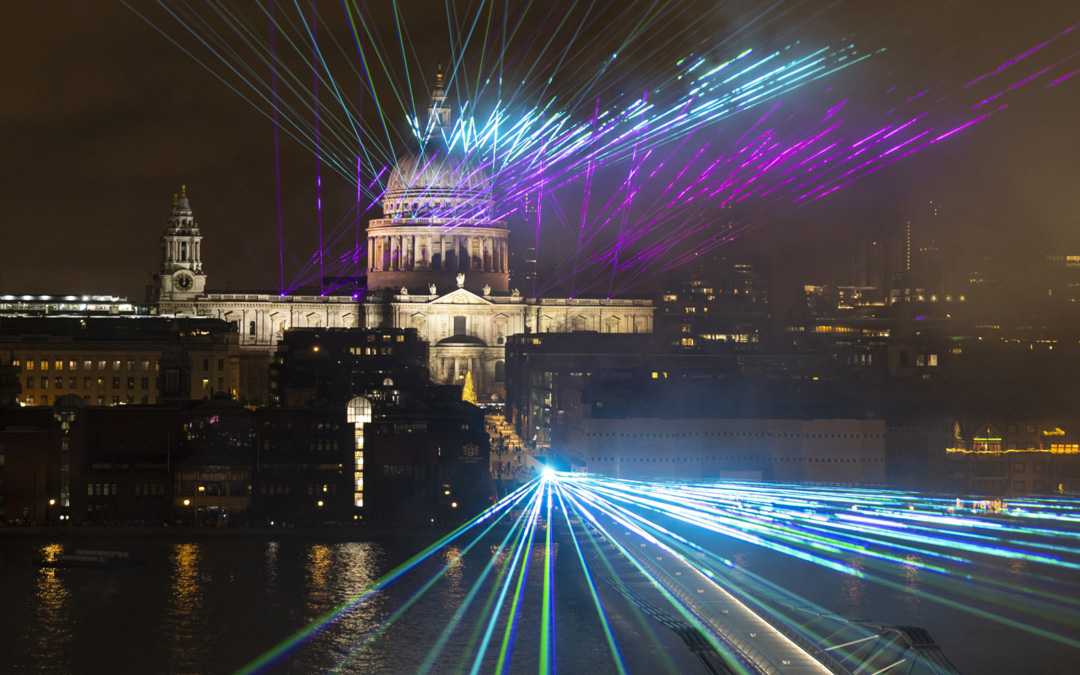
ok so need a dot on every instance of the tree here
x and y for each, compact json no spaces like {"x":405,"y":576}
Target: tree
{"x":468,"y":392}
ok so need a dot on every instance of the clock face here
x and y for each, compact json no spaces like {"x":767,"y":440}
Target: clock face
{"x":184,"y":281}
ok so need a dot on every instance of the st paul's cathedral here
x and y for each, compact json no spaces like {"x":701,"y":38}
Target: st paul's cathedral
{"x":438,"y":261}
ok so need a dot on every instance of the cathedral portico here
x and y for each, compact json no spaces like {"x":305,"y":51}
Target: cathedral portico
{"x":413,"y":255}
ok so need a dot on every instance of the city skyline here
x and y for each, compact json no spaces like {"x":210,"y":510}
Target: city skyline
{"x":118,"y":195}
{"x":510,"y":337}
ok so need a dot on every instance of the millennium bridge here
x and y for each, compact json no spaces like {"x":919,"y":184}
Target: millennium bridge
{"x":593,"y":574}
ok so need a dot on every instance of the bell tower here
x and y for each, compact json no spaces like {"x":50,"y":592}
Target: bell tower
{"x":439,"y":110}
{"x":181,"y":275}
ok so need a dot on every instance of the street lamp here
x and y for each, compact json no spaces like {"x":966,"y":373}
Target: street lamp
{"x":52,"y":502}
{"x":320,"y":503}
{"x":187,"y":502}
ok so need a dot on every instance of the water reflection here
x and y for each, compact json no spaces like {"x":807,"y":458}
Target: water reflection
{"x":271,"y":566}
{"x":186,"y":600}
{"x":454,"y":569}
{"x":912,"y":575}
{"x":53,"y":599}
{"x":853,"y":587}
{"x":320,"y":560}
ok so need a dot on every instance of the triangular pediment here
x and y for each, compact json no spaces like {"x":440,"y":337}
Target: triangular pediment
{"x":460,"y":296}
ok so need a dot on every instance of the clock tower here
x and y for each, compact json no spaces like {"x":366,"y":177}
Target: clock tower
{"x":181,"y":276}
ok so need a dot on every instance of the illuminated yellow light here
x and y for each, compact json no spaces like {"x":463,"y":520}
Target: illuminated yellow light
{"x":52,"y":502}
{"x":320,"y":503}
{"x":202,"y":488}
{"x":1054,"y":449}
{"x":453,"y":505}
{"x":187,"y":502}
{"x":315,"y":348}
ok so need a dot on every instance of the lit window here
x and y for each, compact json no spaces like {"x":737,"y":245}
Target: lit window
{"x":59,"y":365}
{"x":931,"y":360}
{"x":88,"y":365}
{"x":73,"y":365}
{"x":44,"y":364}
{"x":29,"y":364}
{"x":116,"y":365}
{"x":102,"y":365}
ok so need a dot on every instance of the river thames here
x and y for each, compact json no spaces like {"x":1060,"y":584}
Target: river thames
{"x":213,"y":604}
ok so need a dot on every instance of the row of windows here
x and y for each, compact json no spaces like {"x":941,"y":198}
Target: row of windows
{"x":274,"y":489}
{"x":87,"y":382}
{"x":149,"y":489}
{"x":371,"y":351}
{"x":101,"y":489}
{"x":44,"y":399}
{"x":739,"y":434}
{"x":87,"y":364}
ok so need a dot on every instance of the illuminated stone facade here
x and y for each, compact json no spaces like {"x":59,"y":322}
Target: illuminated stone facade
{"x":438,"y":261}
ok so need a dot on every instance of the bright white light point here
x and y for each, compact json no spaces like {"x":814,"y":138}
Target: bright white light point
{"x":548,"y":473}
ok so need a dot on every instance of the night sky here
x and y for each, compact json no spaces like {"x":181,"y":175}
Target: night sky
{"x":103,"y":119}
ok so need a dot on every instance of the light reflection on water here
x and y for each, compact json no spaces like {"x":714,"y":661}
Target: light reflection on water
{"x":52,"y":598}
{"x":185,"y":598}
{"x":214,"y":605}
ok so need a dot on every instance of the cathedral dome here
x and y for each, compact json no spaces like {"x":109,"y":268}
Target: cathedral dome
{"x":438,"y":185}
{"x":438,"y":172}
{"x":439,"y":219}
